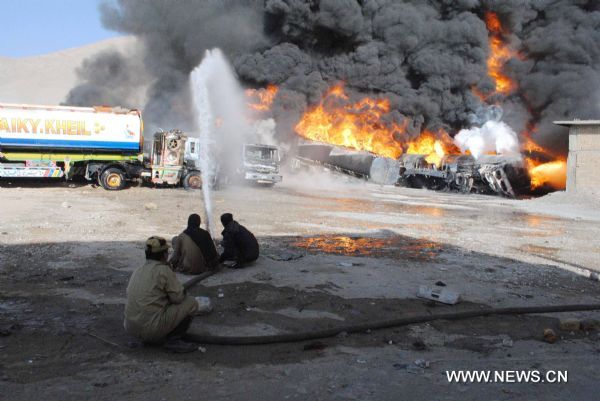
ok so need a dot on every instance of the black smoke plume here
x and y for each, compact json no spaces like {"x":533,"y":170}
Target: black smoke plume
{"x":426,"y":56}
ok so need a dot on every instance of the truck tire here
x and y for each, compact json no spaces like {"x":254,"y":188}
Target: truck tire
{"x":192,"y":180}
{"x":112,"y":179}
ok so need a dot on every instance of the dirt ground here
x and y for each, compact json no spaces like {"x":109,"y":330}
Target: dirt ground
{"x":334,"y":252}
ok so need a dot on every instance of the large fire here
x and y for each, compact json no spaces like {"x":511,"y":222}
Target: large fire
{"x":500,"y":53}
{"x":551,"y":174}
{"x":543,"y":173}
{"x":364,"y":125}
{"x":262,"y":99}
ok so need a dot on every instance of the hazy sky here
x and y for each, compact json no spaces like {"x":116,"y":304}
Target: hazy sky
{"x":33,"y":27}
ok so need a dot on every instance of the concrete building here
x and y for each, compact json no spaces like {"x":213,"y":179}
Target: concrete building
{"x":583,"y":163}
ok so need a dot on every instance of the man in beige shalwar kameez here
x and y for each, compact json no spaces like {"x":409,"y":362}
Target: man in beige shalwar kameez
{"x":157,"y":307}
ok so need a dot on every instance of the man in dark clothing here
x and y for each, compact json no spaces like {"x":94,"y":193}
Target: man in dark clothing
{"x":239,"y":244}
{"x":194,"y":250}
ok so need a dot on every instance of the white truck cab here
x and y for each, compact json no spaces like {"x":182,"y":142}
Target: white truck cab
{"x":261,"y":163}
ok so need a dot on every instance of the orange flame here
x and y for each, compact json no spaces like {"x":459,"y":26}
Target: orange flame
{"x":552,"y":174}
{"x":435,"y":147}
{"x":543,"y":173}
{"x":529,"y":146}
{"x":361,"y":125}
{"x":354,"y":125}
{"x":500,"y":53}
{"x":262,"y":99}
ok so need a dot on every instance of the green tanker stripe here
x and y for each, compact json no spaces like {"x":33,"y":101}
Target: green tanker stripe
{"x":68,"y":156}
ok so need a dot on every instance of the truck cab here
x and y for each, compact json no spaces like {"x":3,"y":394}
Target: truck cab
{"x":168,"y":164}
{"x":261,"y":163}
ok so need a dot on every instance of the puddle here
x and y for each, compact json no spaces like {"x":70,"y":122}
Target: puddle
{"x":538,"y":250}
{"x":394,"y":247}
{"x":537,"y":220}
{"x":536,"y":225}
{"x":431,"y":211}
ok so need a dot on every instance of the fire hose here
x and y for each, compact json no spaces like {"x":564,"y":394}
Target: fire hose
{"x":376,"y":325}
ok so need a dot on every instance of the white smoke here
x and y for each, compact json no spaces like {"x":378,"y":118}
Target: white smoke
{"x":265,"y":133}
{"x":493,"y":136}
{"x":221,"y":120}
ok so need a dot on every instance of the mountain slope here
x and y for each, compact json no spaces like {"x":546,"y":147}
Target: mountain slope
{"x":47,"y":79}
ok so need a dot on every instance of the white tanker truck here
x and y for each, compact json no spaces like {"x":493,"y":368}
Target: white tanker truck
{"x":102,"y":144}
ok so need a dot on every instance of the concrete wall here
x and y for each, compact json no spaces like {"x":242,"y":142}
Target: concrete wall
{"x":583,"y":163}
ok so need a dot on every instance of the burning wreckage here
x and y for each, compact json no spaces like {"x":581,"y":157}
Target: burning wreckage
{"x":489,"y":174}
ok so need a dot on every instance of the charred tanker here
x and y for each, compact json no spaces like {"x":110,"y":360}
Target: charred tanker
{"x":501,"y":175}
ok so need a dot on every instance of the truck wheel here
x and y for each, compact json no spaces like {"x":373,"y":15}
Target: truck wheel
{"x":112,"y":179}
{"x":192,"y":180}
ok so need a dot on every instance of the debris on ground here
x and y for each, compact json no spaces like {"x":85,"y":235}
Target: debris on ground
{"x":134,"y":343}
{"x":6,"y":330}
{"x":444,"y":295}
{"x":590,"y":324}
{"x":150,"y":206}
{"x":284,"y":256}
{"x":550,"y":336}
{"x":422,"y":363}
{"x":204,"y":305}
{"x":569,"y":324}
{"x":419,"y":345}
{"x":179,"y":346}
{"x":263,"y":276}
{"x":315,"y":346}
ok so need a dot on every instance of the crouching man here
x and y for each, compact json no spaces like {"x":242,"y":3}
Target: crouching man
{"x":157,"y":307}
{"x":194,"y":250}
{"x":240,"y":246}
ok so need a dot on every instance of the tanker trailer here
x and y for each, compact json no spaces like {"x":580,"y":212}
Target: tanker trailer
{"x":103,"y":144}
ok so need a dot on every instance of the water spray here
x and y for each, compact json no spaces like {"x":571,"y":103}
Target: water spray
{"x":205,"y":124}
{"x":221,"y":119}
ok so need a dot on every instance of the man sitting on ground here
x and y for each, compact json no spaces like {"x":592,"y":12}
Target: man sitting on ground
{"x":157,"y":308}
{"x":194,"y":251}
{"x":240,"y":245}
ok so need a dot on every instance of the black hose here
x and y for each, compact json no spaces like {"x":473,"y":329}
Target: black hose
{"x":356,"y":328}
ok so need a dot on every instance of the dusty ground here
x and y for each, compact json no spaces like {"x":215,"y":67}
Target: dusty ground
{"x":359,"y":252}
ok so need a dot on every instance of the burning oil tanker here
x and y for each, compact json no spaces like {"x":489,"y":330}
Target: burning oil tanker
{"x":413,"y":81}
{"x":487,"y":159}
